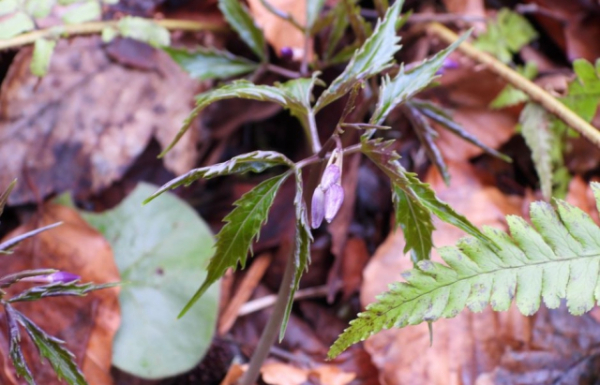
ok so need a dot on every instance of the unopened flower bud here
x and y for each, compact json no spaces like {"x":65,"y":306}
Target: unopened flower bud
{"x":330,"y":176}
{"x":58,"y":277}
{"x":317,"y":210}
{"x":334,"y":196}
{"x":287,"y":53}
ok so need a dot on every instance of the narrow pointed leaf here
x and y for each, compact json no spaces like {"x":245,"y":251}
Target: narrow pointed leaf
{"x":293,"y":95}
{"x":407,"y":84}
{"x":257,"y":162}
{"x":207,"y":63}
{"x":13,"y":242}
{"x":375,"y":55}
{"x":416,"y":224}
{"x":242,"y":226}
{"x":5,"y":194}
{"x":442,"y":117}
{"x":15,"y":352}
{"x":238,"y":16}
{"x":301,"y":254}
{"x":387,"y":161}
{"x":313,"y":10}
{"x":558,"y":258}
{"x":62,"y":360}
{"x":535,"y":130}
{"x":58,"y":290}
{"x":145,"y":30}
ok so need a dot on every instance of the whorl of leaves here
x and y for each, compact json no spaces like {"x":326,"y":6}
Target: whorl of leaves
{"x":558,"y":258}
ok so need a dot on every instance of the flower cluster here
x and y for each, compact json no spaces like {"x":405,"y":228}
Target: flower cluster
{"x":328,"y":196}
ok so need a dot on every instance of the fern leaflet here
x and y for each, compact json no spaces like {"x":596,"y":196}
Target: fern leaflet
{"x":558,"y":258}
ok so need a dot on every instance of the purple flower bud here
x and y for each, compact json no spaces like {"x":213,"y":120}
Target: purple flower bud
{"x":447,"y":64}
{"x":330,"y":176}
{"x":334,"y":196}
{"x":287,"y":53}
{"x":59,"y":276}
{"x":317,"y":210}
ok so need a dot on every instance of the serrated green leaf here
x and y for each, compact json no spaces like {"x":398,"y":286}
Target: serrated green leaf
{"x":419,"y":192}
{"x":510,"y":96}
{"x":88,"y":11}
{"x":238,"y":16}
{"x":313,"y":10}
{"x":338,"y":24}
{"x":407,"y":84}
{"x":62,"y":360}
{"x":506,"y":36}
{"x":257,"y":162}
{"x":242,"y":226}
{"x":42,"y":53}
{"x":293,"y":95}
{"x":207,"y":63}
{"x":162,"y":251}
{"x":8,"y":6}
{"x":583,"y":93}
{"x":442,"y":117}
{"x":375,"y":55}
{"x":16,"y":355}
{"x":416,"y":224}
{"x":16,"y":24}
{"x":539,"y":139}
{"x":58,"y":290}
{"x":558,"y":259}
{"x":144,"y":30}
{"x":301,"y":254}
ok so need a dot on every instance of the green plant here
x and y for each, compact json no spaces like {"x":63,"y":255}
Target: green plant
{"x":52,"y":283}
{"x":558,"y":262}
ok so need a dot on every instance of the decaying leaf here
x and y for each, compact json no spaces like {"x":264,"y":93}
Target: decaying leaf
{"x":83,"y":125}
{"x":87,"y":324}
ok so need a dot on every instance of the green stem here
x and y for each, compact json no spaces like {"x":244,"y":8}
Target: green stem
{"x":267,"y":339}
{"x":95,"y":27}
{"x":315,"y":142}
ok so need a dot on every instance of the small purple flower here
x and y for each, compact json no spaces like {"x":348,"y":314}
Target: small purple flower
{"x":317,"y":209}
{"x":330,"y":176}
{"x":447,"y":64}
{"x":58,"y":277}
{"x":334,"y":197}
{"x":287,"y":53}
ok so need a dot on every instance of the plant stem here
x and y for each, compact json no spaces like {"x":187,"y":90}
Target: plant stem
{"x":95,"y":27}
{"x":282,"y":15}
{"x":282,"y":71}
{"x":272,"y":329}
{"x":535,"y":92}
{"x":315,"y":142}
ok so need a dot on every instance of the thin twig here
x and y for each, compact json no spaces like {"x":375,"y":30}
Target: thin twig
{"x":535,"y":92}
{"x":268,"y":300}
{"x":429,"y":17}
{"x":282,"y":15}
{"x":282,"y":71}
{"x":267,"y":339}
{"x":94,"y":27}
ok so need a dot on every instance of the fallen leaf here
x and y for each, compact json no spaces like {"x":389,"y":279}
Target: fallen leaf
{"x":468,"y":93}
{"x":279,"y":32}
{"x":480,"y":338}
{"x":88,"y":119}
{"x":87,"y":324}
{"x":276,"y":373}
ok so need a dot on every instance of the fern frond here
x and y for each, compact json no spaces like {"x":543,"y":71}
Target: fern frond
{"x":557,"y":258}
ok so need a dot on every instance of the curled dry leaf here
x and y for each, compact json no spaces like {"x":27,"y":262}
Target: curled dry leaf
{"x":88,"y":119}
{"x":87,"y":324}
{"x":275,"y":373}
